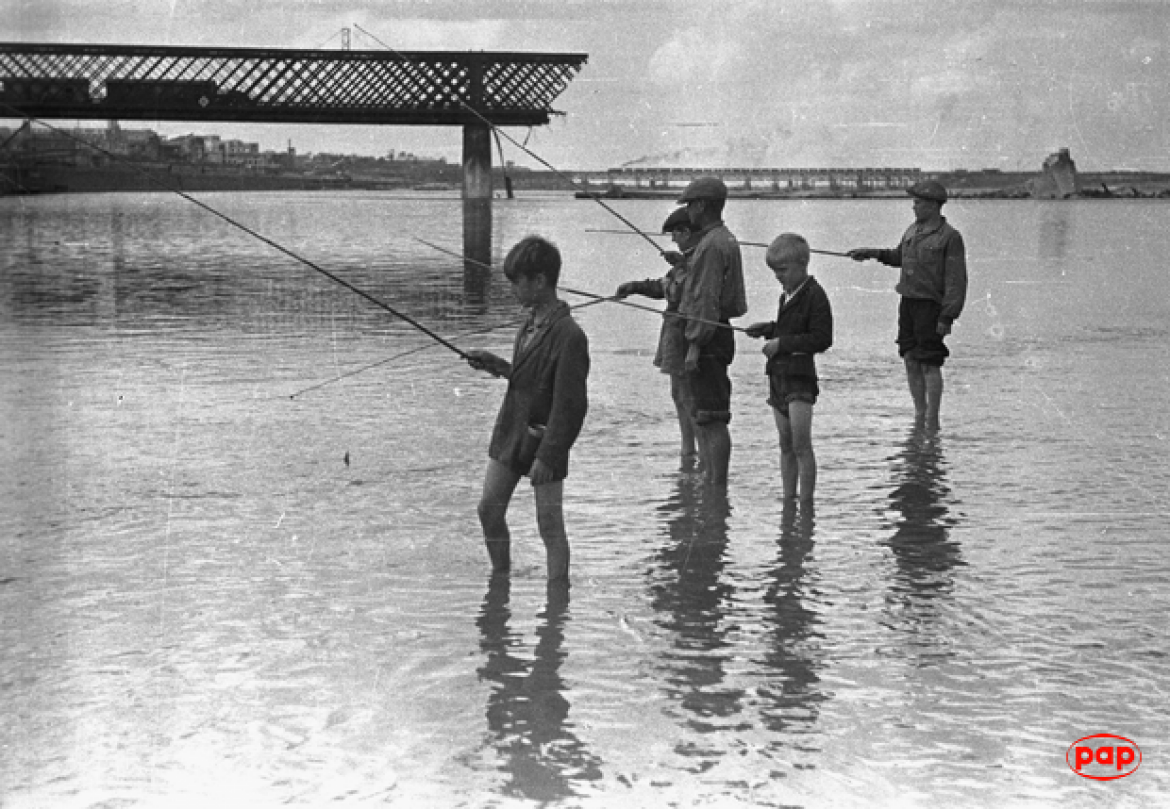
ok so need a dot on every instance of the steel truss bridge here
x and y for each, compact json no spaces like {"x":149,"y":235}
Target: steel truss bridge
{"x":282,"y":86}
{"x":476,"y":90}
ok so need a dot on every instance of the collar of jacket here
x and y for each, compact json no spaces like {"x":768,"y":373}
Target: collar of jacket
{"x":559,"y":311}
{"x":790,"y":298}
{"x":921,"y":230}
{"x":703,"y":233}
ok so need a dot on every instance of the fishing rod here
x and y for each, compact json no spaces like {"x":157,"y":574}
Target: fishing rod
{"x":749,"y":244}
{"x":275,"y":245}
{"x":500,"y":132}
{"x":416,"y":350}
{"x":597,"y":298}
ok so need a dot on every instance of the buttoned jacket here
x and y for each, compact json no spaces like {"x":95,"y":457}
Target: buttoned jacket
{"x":547,"y":386}
{"x":934,"y":266}
{"x":804,"y":327}
{"x":714,"y":289}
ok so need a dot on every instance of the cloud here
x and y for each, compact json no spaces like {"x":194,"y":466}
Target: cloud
{"x":847,"y":82}
{"x":692,"y":58}
{"x":425,"y":34}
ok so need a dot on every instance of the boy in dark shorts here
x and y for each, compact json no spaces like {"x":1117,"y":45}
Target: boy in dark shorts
{"x":714,"y":294}
{"x":803,"y":327}
{"x":543,"y":409}
{"x":933,"y":286}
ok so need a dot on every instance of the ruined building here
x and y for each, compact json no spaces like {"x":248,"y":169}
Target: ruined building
{"x":1058,"y":177}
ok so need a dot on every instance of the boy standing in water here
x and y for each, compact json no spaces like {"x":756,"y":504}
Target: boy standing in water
{"x":933,"y":286}
{"x":672,"y":342}
{"x":715,"y":294}
{"x":803,"y":327}
{"x":543,"y":409}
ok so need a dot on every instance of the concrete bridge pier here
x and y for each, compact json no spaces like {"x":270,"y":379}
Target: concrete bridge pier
{"x":477,"y":208}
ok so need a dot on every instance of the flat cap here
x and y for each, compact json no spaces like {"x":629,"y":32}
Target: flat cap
{"x":678,"y":219}
{"x":704,"y":188}
{"x":928,"y":189}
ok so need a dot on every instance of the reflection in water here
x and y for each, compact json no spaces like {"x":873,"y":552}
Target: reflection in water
{"x":527,"y":709}
{"x":794,"y":655}
{"x":688,"y":592}
{"x":206,"y":269}
{"x":924,"y":553}
{"x":1054,"y":232}
{"x":477,"y":249}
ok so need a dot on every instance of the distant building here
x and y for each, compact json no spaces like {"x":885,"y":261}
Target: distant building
{"x":1058,"y":177}
{"x":237,"y":152}
{"x":188,"y":148}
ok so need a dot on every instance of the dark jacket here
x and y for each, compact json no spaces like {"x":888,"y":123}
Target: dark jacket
{"x":547,"y":386}
{"x":804,"y":326}
{"x":672,"y":343}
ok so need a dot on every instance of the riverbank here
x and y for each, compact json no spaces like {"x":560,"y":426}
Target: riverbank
{"x":55,"y":179}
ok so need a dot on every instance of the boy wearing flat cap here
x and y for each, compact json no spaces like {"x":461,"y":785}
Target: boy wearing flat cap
{"x":933,"y":286}
{"x":714,"y":294}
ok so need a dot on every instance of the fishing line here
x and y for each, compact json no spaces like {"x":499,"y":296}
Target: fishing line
{"x":16,"y":172}
{"x":597,"y":298}
{"x":356,"y":290}
{"x":417,"y":349}
{"x":523,"y":148}
{"x":503,"y":166}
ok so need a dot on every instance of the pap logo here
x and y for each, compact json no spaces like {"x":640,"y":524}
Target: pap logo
{"x":1103,"y":757}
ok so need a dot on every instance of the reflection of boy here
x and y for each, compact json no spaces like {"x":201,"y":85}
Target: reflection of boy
{"x":803,"y":327}
{"x":542,"y":411}
{"x":671,"y":355}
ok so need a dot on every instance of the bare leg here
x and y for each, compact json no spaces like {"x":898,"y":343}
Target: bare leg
{"x":800,"y":416}
{"x":704,"y":450}
{"x":686,"y":425}
{"x":933,"y":378}
{"x":798,"y":463}
{"x":550,"y":519}
{"x":788,"y":470}
{"x":717,"y":438}
{"x":499,"y":483}
{"x":916,"y":380}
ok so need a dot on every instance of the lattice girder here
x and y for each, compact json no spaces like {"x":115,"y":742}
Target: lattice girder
{"x":249,"y":84}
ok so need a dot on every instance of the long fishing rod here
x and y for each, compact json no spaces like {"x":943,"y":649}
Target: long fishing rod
{"x":595,"y":197}
{"x":500,"y":132}
{"x":597,"y":298}
{"x":749,"y":244}
{"x":356,"y":290}
{"x":416,"y":350}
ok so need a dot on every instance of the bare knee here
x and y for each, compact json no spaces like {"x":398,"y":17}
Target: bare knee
{"x":787,"y":446}
{"x":492,"y":513}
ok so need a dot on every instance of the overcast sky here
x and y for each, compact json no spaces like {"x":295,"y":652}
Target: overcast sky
{"x":932,"y":84}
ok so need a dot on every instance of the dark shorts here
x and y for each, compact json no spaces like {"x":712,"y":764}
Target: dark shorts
{"x":783,"y":390}
{"x":710,"y":386}
{"x":918,"y":337}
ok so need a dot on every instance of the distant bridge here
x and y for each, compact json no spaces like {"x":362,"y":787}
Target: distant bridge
{"x":760,"y":179}
{"x":476,"y":90}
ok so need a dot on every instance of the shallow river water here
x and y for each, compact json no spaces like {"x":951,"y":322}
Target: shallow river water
{"x":221,"y":586}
